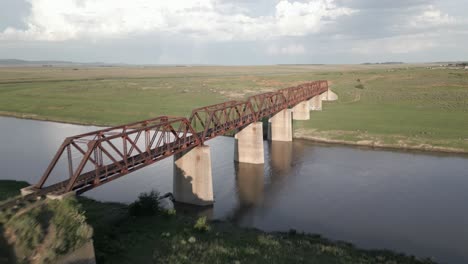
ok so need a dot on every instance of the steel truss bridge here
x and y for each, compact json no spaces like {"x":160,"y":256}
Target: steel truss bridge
{"x":98,"y":157}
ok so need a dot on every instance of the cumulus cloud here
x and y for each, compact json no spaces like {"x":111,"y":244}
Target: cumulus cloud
{"x":59,"y":20}
{"x":298,"y":19}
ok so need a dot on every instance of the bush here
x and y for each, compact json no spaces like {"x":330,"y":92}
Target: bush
{"x":146,"y":205}
{"x":170,"y":212}
{"x":201,"y":225}
{"x":359,"y":86}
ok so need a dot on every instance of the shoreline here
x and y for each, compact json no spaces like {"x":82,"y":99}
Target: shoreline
{"x":378,"y":146}
{"x":366,"y":144}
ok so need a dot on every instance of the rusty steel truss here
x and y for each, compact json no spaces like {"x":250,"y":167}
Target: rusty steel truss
{"x":97,"y":157}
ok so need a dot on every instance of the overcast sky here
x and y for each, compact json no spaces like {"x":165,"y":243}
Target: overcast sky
{"x":234,"y":32}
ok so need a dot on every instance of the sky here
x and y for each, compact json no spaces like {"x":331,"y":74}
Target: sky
{"x":234,"y":32}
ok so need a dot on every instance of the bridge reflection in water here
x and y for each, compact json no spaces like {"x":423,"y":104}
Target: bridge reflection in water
{"x":254,"y":182}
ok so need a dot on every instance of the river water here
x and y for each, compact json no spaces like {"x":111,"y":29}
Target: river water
{"x":415,"y":203}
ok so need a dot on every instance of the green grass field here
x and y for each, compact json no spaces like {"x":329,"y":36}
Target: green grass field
{"x":405,"y":106}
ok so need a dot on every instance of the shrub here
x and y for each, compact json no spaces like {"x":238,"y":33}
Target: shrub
{"x":292,"y":232}
{"x":359,"y":86}
{"x":146,"y":205}
{"x":201,"y":225}
{"x":170,"y":212}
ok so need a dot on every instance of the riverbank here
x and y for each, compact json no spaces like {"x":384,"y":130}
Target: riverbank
{"x":171,"y":238}
{"x":373,"y":142}
{"x":398,"y":106}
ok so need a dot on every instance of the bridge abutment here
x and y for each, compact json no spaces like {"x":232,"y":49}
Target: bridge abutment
{"x":192,"y":179}
{"x":301,"y":111}
{"x":249,"y":144}
{"x":280,"y":126}
{"x":28,"y":190}
{"x":329,"y":95}
{"x":315,"y":103}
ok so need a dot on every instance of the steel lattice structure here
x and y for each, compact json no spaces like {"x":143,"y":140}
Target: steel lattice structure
{"x":107,"y":154}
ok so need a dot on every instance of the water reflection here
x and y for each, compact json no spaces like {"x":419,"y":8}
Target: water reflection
{"x":281,"y":157}
{"x":249,"y":183}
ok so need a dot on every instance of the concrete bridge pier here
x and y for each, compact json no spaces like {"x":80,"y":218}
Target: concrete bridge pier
{"x":301,"y":111}
{"x":280,"y":126}
{"x":315,"y":103}
{"x":249,"y":144}
{"x":192,"y":179}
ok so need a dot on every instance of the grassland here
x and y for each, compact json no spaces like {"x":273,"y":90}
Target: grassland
{"x":403,"y":106}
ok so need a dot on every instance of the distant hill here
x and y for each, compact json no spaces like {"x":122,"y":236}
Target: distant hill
{"x":387,"y":62}
{"x":45,"y":63}
{"x":52,"y":63}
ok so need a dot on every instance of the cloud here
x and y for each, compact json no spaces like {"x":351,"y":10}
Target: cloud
{"x":299,"y":19}
{"x":432,"y":17}
{"x":395,"y":45}
{"x":60,"y":20}
{"x":234,"y":31}
{"x":292,"y":49}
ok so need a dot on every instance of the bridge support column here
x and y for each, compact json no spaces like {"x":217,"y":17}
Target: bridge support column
{"x":315,"y":103}
{"x":329,"y":95}
{"x":193,"y":182}
{"x":249,"y":144}
{"x":280,"y":126}
{"x":301,"y":111}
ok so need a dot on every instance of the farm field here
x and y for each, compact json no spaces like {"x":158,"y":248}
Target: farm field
{"x":401,"y":106}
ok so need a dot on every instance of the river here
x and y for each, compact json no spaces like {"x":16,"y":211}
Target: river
{"x":410,"y":202}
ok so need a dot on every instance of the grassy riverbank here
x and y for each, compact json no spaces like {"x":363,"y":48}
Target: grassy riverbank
{"x":122,"y":238}
{"x":402,"y":106}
